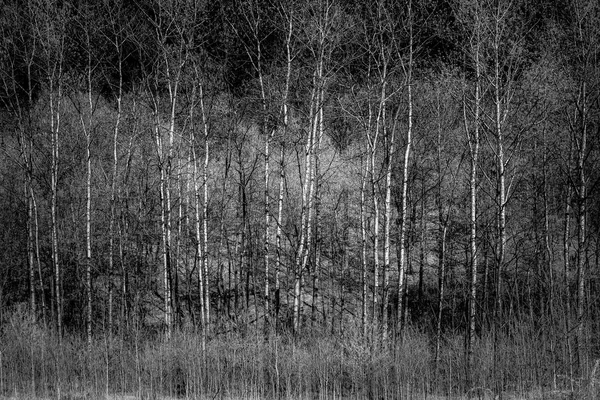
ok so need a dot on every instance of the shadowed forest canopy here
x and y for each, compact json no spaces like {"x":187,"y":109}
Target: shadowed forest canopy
{"x":303,"y":166}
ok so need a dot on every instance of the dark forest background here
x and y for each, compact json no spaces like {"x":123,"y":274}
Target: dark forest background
{"x":305,"y":167}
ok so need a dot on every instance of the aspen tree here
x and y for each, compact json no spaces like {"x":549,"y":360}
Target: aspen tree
{"x":403,"y":210}
{"x":321,"y":30}
{"x":363,"y":241}
{"x":471,"y":12}
{"x":49,"y":24}
{"x":257,"y":26}
{"x":385,"y":50}
{"x":171,"y":21}
{"x":585,"y":36}
{"x":86,"y":118}
{"x":200,"y":207}
{"x":289,"y":19}
{"x":116,"y":39}
{"x":19,"y":100}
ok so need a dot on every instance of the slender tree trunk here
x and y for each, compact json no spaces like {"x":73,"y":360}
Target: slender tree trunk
{"x":164,"y":226}
{"x":317,"y":257}
{"x":442,"y":232}
{"x":363,"y":237}
{"x":391,"y":149}
{"x":548,"y":258}
{"x":198,"y":222}
{"x":36,"y":230}
{"x":279,"y":264}
{"x":581,"y":236}
{"x":86,"y":114}
{"x":179,"y":255}
{"x":113,"y":198}
{"x":267,"y":291}
{"x":88,"y":202}
{"x":422,"y":243}
{"x":346,"y":255}
{"x":170,"y":262}
{"x":372,"y":140}
{"x":380,"y":126}
{"x":30,"y":246}
{"x":403,"y":212}
{"x":205,"y":209}
{"x":54,"y":218}
{"x":285,"y":115}
{"x":500,"y":169}
{"x":376,"y":271}
{"x":55,"y":111}
{"x":473,"y":138}
{"x":317,"y":136}
{"x":50,"y":32}
{"x":123,"y":227}
{"x":306,"y":193}
{"x":317,"y":227}
{"x":567,"y":261}
{"x":473,"y":239}
{"x":88,"y":241}
{"x":26,"y":154}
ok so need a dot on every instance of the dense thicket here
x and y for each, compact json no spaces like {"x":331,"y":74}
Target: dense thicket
{"x":303,"y":164}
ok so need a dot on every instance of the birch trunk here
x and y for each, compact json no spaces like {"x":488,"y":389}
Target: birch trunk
{"x":442,"y":231}
{"x":404,"y":202}
{"x":391,"y":142}
{"x":113,"y":191}
{"x":567,"y":259}
{"x":299,"y":263}
{"x":581,"y":234}
{"x":87,"y":129}
{"x":55,"y":93}
{"x":363,"y":237}
{"x":279,"y":265}
{"x":375,"y":199}
{"x":500,"y":114}
{"x":30,"y":246}
{"x":205,"y":209}
{"x":473,"y":139}
{"x":474,"y":147}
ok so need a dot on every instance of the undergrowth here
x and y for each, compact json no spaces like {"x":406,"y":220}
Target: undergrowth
{"x":34,"y":363}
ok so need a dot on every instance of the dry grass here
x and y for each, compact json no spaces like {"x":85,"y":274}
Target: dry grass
{"x":315,"y":367}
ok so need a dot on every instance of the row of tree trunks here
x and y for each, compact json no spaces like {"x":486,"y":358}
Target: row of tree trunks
{"x":493,"y":141}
